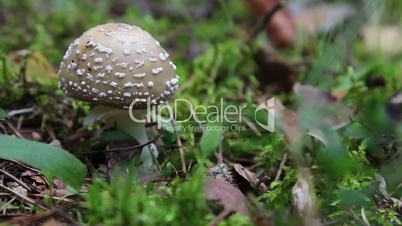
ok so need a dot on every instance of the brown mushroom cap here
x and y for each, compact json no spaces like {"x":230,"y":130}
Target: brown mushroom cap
{"x":115,"y":64}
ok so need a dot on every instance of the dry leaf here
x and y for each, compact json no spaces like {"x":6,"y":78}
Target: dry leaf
{"x":224,"y":193}
{"x":61,"y":188}
{"x":281,"y":28}
{"x":18,"y":188}
{"x":249,"y":176}
{"x":245,"y":173}
{"x":34,"y":176}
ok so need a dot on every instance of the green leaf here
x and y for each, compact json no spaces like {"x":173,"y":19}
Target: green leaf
{"x":50,"y":160}
{"x":3,"y":114}
{"x":211,"y":138}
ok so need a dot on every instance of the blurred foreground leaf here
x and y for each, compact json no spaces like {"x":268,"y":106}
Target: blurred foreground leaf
{"x":211,"y":138}
{"x":3,"y":114}
{"x":50,"y":160}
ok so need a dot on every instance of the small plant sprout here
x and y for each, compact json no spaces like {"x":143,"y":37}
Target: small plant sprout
{"x":116,"y":67}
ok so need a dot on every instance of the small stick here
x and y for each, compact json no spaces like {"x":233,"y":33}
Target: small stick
{"x":180,"y":146}
{"x":27,"y":199}
{"x":364,"y":216}
{"x":19,"y":122}
{"x":56,"y":198}
{"x":278,"y":174}
{"x":19,"y":112}
{"x":126,"y":149}
{"x":15,"y":131}
{"x":24,"y":166}
{"x":220,"y":153}
{"x":3,"y":127}
{"x":354,"y":215}
{"x":20,"y":182}
{"x":252,"y":126}
{"x":4,"y":208}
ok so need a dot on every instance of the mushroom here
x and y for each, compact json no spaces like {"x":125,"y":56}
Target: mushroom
{"x":118,"y":66}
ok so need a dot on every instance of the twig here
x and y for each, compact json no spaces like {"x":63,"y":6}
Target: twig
{"x":20,"y":182}
{"x":15,"y":131}
{"x":2,"y":127}
{"x":180,"y":145}
{"x":252,"y":126}
{"x":4,"y":208}
{"x":284,"y":159}
{"x":20,"y":121}
{"x":20,"y":111}
{"x":126,"y":149}
{"x":24,"y":166}
{"x":58,"y":212}
{"x":363,"y":212}
{"x":262,"y":22}
{"x":27,"y":199}
{"x":220,"y":153}
{"x":357,"y":218}
{"x":55,"y":198}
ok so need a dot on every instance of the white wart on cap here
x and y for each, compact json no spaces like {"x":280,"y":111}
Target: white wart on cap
{"x":115,"y":64}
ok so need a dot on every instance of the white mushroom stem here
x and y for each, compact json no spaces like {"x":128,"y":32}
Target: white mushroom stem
{"x":134,"y":128}
{"x":138,"y":131}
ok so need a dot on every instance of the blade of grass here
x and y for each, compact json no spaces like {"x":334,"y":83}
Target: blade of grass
{"x":50,"y":160}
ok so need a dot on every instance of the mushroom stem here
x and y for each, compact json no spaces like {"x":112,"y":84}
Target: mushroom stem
{"x":138,"y":131}
{"x":135,"y":128}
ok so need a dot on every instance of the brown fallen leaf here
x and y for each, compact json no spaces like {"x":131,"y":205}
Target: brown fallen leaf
{"x":18,"y":188}
{"x":34,"y":176}
{"x":224,"y":193}
{"x":60,"y":189}
{"x":249,"y":177}
{"x":282,"y":27}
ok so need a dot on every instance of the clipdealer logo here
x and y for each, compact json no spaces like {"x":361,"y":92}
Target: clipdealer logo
{"x":202,"y":114}
{"x":269,"y":107}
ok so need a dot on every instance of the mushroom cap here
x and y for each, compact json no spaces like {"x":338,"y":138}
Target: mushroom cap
{"x":115,"y":64}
